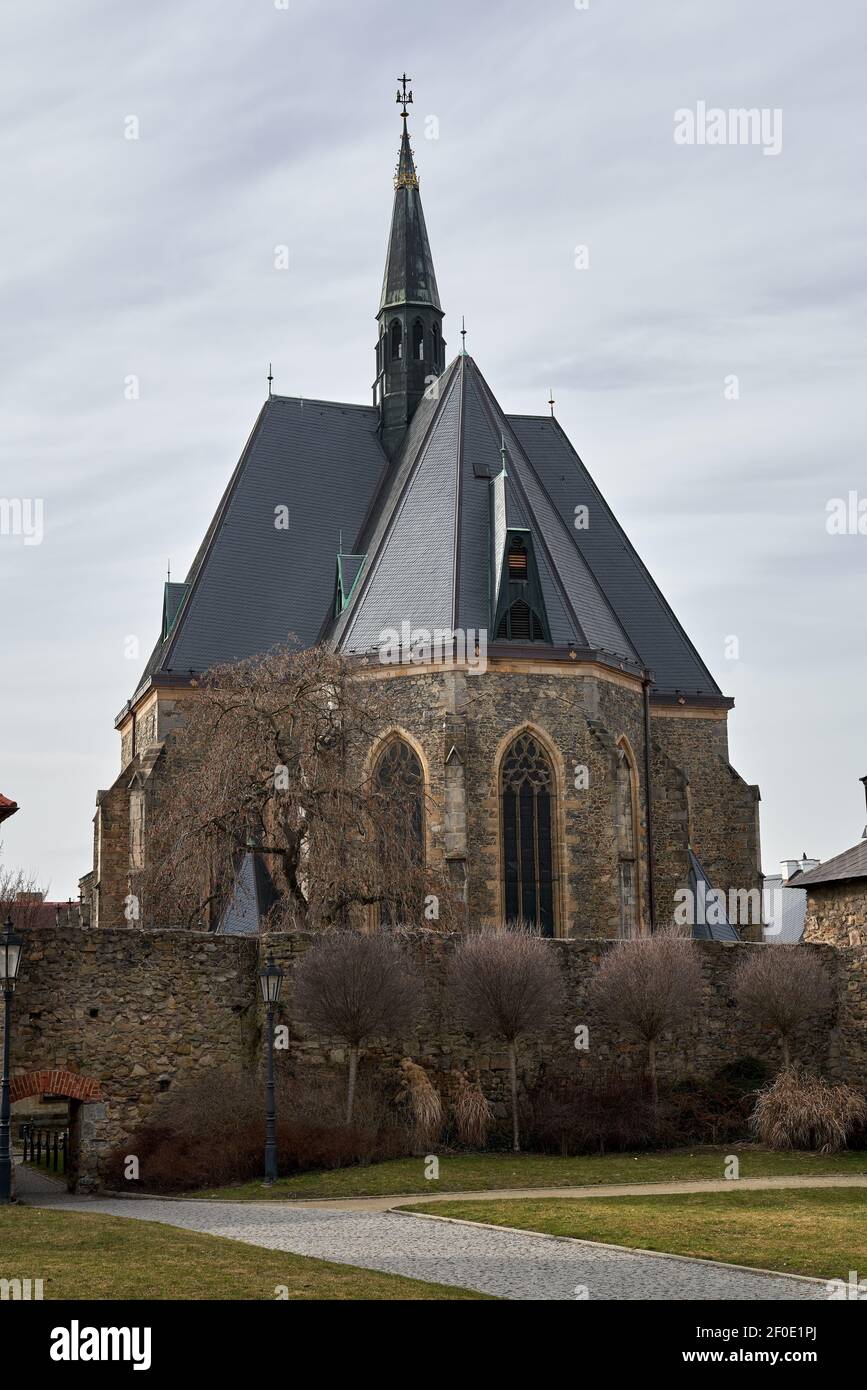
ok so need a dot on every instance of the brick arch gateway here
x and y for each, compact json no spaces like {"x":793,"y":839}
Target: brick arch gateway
{"x":86,"y":1109}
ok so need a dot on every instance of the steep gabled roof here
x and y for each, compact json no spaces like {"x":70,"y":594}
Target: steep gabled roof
{"x":653,"y":629}
{"x":429,"y":544}
{"x":420,"y":537}
{"x":254,"y":582}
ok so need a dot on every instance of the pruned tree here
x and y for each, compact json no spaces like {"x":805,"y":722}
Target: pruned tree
{"x":782,"y":988}
{"x":506,"y":984}
{"x":274,"y":755}
{"x":647,"y":986}
{"x":356,"y":986}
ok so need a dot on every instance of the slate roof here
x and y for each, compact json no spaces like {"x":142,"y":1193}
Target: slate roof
{"x":409,"y":271}
{"x":706,"y":931}
{"x":251,"y":897}
{"x":417,"y":536}
{"x":851,"y":864}
{"x":251,"y":584}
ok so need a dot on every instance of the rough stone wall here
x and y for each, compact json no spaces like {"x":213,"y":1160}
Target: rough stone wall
{"x":134,"y":1011}
{"x":111,"y":854}
{"x":140,"y":1012}
{"x":837,"y":913}
{"x":461,"y":723}
{"x":579,"y":718}
{"x":715,"y":1036}
{"x":722,"y":810}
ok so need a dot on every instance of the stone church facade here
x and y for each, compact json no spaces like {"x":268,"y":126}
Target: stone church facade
{"x":570,"y":744}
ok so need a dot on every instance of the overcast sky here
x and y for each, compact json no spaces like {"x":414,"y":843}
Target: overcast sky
{"x":261,"y":126}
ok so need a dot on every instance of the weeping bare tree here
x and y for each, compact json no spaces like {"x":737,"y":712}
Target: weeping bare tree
{"x":274,"y":755}
{"x":356,"y":986}
{"x":647,"y":986}
{"x":783,"y":988}
{"x":506,"y":984}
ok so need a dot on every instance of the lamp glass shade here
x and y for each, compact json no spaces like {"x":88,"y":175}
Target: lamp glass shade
{"x":271,"y":981}
{"x":10,"y":957}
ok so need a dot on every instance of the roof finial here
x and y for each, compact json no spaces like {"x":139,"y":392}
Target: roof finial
{"x":503,"y":453}
{"x":168,"y":572}
{"x":270,"y":379}
{"x":403,"y":98}
{"x":551,"y":400}
{"x":463,"y":334}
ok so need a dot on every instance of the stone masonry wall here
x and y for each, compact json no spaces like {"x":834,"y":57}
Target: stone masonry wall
{"x":837,"y":913}
{"x":141,"y":1012}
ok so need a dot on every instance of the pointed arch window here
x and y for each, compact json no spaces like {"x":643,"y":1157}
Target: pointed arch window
{"x":418,"y":340}
{"x":396,"y":337}
{"x":627,"y":844}
{"x":435,"y":346}
{"x":527,"y":793}
{"x":398,"y":779}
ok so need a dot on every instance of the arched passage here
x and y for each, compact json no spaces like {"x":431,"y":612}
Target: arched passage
{"x":86,"y":1111}
{"x":69,"y":1084}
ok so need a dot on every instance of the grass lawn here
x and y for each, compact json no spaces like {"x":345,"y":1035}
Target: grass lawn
{"x":476,"y":1172}
{"x":818,"y":1231}
{"x":86,"y":1257}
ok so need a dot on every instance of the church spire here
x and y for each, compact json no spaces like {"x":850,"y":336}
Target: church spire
{"x":410,"y":351}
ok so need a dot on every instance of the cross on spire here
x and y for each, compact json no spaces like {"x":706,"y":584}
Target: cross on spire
{"x":403,"y":97}
{"x":463,"y":334}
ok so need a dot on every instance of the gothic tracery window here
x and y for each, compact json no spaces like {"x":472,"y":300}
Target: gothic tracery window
{"x":527,"y":793}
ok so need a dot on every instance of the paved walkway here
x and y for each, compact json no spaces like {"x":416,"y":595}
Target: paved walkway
{"x":634,"y":1189}
{"x":511,"y":1264}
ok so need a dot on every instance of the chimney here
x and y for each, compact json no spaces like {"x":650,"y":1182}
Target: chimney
{"x":797,"y":866}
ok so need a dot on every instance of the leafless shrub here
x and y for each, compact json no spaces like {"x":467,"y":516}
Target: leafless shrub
{"x":783,"y":988}
{"x":647,"y":986}
{"x":800,"y":1110}
{"x":471,"y":1112}
{"x":421,"y":1101}
{"x":355,"y":987}
{"x":506,"y":984}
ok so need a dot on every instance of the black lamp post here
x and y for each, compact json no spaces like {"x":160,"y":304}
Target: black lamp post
{"x":10,"y":959}
{"x":270,"y":983}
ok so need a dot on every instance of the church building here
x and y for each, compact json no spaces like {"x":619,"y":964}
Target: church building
{"x":570,"y":742}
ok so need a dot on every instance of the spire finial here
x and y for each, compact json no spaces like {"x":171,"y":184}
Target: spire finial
{"x":503,"y":453}
{"x":270,"y":380}
{"x":405,"y":175}
{"x":463,"y":334}
{"x":168,"y":572}
{"x":403,"y":97}
{"x":551,"y":400}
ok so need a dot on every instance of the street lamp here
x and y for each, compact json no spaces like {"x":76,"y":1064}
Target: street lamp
{"x":270,"y":983}
{"x":10,"y":959}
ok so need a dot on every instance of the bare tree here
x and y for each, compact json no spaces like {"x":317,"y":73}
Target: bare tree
{"x":274,"y":755}
{"x":507,"y":984}
{"x":646,"y":986}
{"x":355,"y":987}
{"x":782,"y":987}
{"x":21,"y":897}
